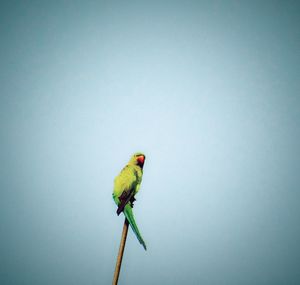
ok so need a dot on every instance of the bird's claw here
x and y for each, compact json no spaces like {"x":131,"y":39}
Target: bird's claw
{"x":132,"y":200}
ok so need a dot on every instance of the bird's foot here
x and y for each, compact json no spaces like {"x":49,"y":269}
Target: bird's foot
{"x":132,"y":200}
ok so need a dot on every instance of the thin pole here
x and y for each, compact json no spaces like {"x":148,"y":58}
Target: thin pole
{"x":120,"y":254}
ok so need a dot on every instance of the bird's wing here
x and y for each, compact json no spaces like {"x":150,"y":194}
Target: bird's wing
{"x":125,"y":185}
{"x":124,"y":199}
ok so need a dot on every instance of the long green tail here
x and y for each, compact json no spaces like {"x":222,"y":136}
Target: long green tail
{"x":129,"y":216}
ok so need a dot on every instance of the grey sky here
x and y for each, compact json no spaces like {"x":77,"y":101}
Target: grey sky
{"x":208,"y":90}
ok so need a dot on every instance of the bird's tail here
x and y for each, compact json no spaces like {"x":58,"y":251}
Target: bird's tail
{"x":129,"y":216}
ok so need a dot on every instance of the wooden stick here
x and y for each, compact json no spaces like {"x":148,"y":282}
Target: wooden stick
{"x":120,"y":254}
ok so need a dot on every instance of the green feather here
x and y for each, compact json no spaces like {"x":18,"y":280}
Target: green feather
{"x":129,"y":216}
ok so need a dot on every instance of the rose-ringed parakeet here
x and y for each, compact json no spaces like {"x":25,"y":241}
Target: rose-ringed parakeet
{"x":126,"y":185}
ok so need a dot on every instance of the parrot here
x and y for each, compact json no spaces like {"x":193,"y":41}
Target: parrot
{"x":126,"y":186}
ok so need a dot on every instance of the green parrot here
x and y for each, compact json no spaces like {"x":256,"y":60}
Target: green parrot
{"x":126,"y":185}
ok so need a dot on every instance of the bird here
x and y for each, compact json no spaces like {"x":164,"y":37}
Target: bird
{"x":126,"y":186}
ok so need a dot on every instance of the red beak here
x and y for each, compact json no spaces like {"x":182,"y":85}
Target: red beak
{"x":141,"y":160}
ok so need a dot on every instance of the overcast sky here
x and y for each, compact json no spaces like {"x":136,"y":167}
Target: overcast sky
{"x":208,"y":90}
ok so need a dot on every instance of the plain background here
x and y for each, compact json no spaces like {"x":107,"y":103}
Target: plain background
{"x":208,"y":90}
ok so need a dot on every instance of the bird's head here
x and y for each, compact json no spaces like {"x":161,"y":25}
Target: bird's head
{"x":138,"y":159}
